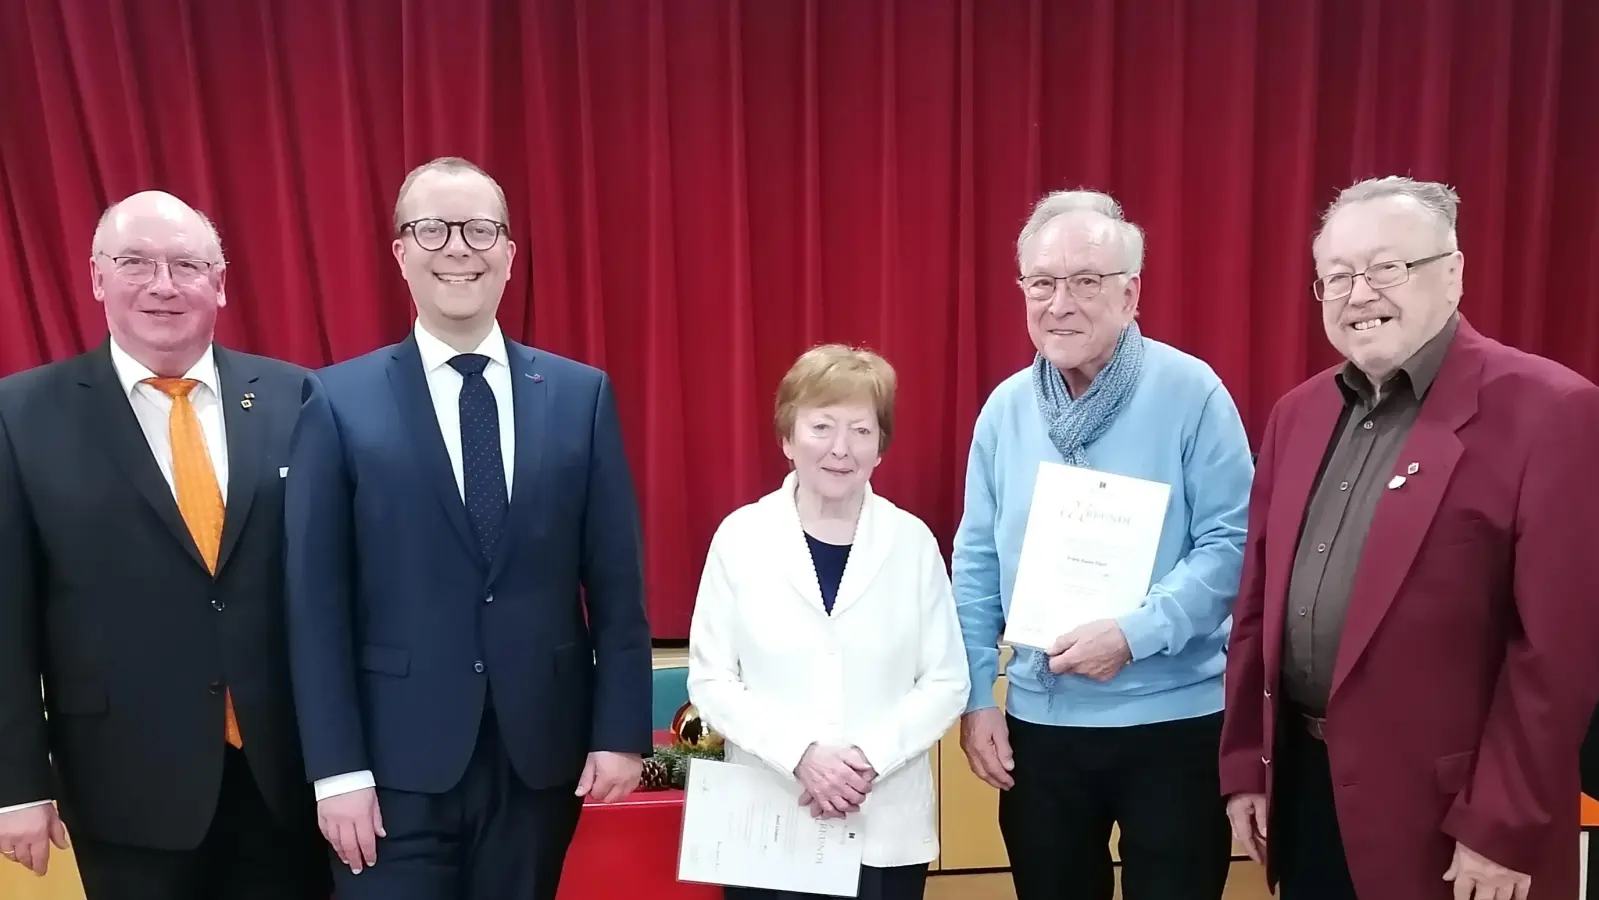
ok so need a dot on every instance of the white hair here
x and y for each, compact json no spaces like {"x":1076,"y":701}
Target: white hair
{"x":1439,"y":200}
{"x":1058,"y":203}
{"x":102,"y":230}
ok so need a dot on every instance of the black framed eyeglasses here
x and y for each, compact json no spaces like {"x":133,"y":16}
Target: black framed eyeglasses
{"x":433,"y":234}
{"x":1386,"y":274}
{"x":1082,"y":285}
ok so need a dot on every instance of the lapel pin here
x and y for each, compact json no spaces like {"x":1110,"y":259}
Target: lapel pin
{"x":1413,"y":468}
{"x":1396,"y":482}
{"x":248,"y":401}
{"x":537,"y":378}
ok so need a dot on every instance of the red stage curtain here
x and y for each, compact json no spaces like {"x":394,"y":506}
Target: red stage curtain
{"x":702,"y":188}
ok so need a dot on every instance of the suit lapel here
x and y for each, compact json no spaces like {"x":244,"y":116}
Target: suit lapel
{"x":415,"y":403}
{"x":246,"y":436}
{"x":1301,"y":455}
{"x":117,"y":428}
{"x":531,"y":403}
{"x":1406,"y":510}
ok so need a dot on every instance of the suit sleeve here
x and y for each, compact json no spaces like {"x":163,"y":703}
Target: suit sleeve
{"x":24,"y":748}
{"x":1243,"y":733}
{"x":320,"y":575}
{"x":937,"y":699}
{"x":613,"y":584}
{"x":1525,"y":771}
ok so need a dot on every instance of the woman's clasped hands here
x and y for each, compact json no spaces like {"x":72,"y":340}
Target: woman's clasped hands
{"x":835,"y":780}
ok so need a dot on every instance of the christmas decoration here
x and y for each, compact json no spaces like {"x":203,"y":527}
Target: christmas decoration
{"x":692,"y":732}
{"x":667,"y":768}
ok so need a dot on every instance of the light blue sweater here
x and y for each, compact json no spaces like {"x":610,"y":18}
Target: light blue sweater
{"x":1180,"y":427}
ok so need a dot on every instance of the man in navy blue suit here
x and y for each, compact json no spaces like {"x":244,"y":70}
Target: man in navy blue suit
{"x":469,"y":647}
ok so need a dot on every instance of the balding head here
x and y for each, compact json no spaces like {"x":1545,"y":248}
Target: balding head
{"x":157,"y":268}
{"x":130,"y":219}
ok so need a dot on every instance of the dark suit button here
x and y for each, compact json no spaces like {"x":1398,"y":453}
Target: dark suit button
{"x":489,"y":599}
{"x":216,"y":687}
{"x":477,"y":667}
{"x":218,"y":605}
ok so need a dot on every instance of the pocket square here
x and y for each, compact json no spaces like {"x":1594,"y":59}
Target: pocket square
{"x":283,"y":472}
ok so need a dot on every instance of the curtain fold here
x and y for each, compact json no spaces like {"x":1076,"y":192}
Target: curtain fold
{"x":700,"y":189}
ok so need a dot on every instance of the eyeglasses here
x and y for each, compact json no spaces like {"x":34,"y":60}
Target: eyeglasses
{"x":1083,"y":285}
{"x":142,"y":269}
{"x":433,"y":234}
{"x":1380,"y":275}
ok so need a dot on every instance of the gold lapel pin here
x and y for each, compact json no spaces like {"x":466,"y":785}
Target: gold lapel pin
{"x":1413,"y":468}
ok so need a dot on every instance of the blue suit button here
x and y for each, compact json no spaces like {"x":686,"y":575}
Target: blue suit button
{"x":477,"y":667}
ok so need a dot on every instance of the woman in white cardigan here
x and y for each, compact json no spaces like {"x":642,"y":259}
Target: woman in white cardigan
{"x":824,"y":643}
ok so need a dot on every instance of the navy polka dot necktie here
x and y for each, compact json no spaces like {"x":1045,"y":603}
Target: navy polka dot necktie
{"x":482,"y":465}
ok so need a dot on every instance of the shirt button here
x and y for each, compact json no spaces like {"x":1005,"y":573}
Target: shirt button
{"x":1321,"y":548}
{"x":1366,"y":426}
{"x":218,"y":605}
{"x":1301,"y":610}
{"x":1343,"y":486}
{"x":489,"y":599}
{"x":477,"y":667}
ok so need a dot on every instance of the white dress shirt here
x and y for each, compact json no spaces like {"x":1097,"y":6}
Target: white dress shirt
{"x":444,"y":385}
{"x":153,"y":409}
{"x":772,"y":672}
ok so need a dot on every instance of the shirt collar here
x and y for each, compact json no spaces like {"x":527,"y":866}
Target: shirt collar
{"x":1421,"y":369}
{"x":437,"y":354}
{"x":131,"y":372}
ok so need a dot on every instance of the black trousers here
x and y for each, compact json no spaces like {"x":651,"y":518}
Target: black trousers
{"x":1158,"y":782}
{"x":488,"y":838}
{"x":247,"y":855}
{"x":886,"y":883}
{"x":1306,"y":844}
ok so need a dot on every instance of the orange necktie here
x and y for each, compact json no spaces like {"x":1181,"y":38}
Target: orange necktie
{"x":199,"y":496}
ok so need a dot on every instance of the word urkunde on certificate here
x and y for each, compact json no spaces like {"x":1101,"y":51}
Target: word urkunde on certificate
{"x":1087,"y":554}
{"x":743,"y":826}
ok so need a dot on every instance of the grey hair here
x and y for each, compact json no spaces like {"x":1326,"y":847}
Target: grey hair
{"x":450,"y":165}
{"x":1438,"y":199}
{"x":102,"y":231}
{"x":1058,"y":203}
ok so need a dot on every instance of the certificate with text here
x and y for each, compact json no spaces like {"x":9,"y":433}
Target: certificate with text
{"x":743,"y":826}
{"x":1087,"y":554}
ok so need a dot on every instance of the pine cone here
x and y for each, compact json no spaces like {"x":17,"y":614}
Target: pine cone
{"x":657,"y":775}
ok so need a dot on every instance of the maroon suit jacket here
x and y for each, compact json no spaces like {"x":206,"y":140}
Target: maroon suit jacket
{"x":1469,"y":662}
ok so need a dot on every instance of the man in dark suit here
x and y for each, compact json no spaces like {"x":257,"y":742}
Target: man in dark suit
{"x":470,"y":651}
{"x":1412,"y":670}
{"x":141,"y":542}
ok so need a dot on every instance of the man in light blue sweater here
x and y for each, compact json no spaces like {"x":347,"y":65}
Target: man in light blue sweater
{"x":1120,"y":721}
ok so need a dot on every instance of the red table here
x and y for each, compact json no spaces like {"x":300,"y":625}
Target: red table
{"x":628,"y":851}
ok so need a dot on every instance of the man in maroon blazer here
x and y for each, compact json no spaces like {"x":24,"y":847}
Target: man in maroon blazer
{"x":1415,"y":647}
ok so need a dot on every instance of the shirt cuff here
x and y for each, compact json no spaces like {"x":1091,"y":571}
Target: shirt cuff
{"x":21,"y":806}
{"x":348,"y":783}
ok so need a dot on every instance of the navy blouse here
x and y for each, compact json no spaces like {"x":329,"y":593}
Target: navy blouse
{"x":829,"y":560}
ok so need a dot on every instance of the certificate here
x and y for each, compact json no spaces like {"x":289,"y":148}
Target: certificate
{"x":743,"y":826}
{"x":1087,"y":553}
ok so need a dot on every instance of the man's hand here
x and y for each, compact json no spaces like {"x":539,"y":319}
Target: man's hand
{"x":837,"y":779}
{"x":608,"y":776}
{"x":986,"y":740}
{"x":26,"y":836}
{"x":1247,"y":814}
{"x":352,"y":824}
{"x":855,"y":759}
{"x":1097,"y":650}
{"x":1477,"y":877}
